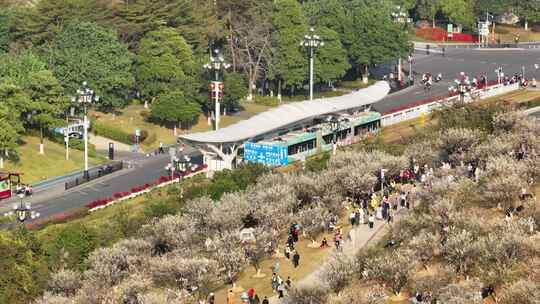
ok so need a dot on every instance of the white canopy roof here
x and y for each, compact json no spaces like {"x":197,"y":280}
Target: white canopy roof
{"x":291,"y":113}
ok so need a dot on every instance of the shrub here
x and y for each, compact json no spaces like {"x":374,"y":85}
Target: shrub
{"x":501,"y":30}
{"x":266,"y":100}
{"x":113,"y":133}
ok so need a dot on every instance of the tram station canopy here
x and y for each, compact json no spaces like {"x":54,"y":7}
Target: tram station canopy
{"x":290,"y":114}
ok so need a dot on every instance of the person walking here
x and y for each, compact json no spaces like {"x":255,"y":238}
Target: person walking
{"x":276,"y":266}
{"x":288,"y":252}
{"x":371,"y":221}
{"x":211,"y":298}
{"x":230,"y":297}
{"x":296,"y":259}
{"x":281,"y":290}
{"x":275,"y":281}
{"x":265,"y":300}
{"x":288,"y":283}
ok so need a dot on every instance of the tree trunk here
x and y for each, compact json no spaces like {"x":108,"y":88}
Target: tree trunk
{"x":433,"y":21}
{"x":41,"y":140}
{"x":231,"y":43}
{"x":250,"y":84}
{"x":1,"y":162}
{"x":526,"y":25}
{"x":313,"y":244}
{"x":365,"y":75}
{"x":258,"y":273}
{"x":236,"y":288}
{"x":279,"y":91}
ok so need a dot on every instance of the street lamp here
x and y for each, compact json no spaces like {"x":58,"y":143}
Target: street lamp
{"x":400,"y":16}
{"x":499,"y":72}
{"x":311,"y":42}
{"x":185,"y":163}
{"x":85,"y":96}
{"x":216,"y":64}
{"x":23,"y":211}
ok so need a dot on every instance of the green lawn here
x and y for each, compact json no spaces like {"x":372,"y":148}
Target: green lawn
{"x":134,"y":116}
{"x":36,"y":167}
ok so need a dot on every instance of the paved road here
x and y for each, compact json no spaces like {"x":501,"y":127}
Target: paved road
{"x":55,"y":200}
{"x":471,"y":61}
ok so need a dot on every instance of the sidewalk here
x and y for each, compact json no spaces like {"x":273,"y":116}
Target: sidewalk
{"x":361,"y":236}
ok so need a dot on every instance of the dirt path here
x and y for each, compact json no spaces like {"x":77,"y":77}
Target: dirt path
{"x":361,"y":236}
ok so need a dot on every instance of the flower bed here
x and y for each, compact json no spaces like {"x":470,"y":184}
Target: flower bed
{"x":139,"y":190}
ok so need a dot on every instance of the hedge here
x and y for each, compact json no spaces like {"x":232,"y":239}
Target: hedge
{"x":266,"y":100}
{"x":114,"y":133}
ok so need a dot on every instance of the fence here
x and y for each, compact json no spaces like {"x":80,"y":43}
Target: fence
{"x":426,"y":106}
{"x":94,"y":173}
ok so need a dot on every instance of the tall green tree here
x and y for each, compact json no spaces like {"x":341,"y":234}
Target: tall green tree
{"x":328,"y":13}
{"x":529,"y":11}
{"x":290,"y":26}
{"x":39,"y":24}
{"x":427,"y":10}
{"x":19,"y":68}
{"x":174,"y":108}
{"x":13,"y":102}
{"x":235,"y":90}
{"x":374,"y":37}
{"x":331,"y":59}
{"x":6,"y":19}
{"x":88,"y":52}
{"x":196,"y":20}
{"x":47,"y":103}
{"x":24,"y":271}
{"x":459,"y":11}
{"x":164,"y":63}
{"x":493,"y":6}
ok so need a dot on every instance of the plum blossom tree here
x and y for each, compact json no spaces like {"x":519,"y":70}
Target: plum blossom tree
{"x":503,"y":181}
{"x":260,"y":249}
{"x":461,"y":250}
{"x":169,"y":233}
{"x":183,"y":273}
{"x":522,"y":291}
{"x":394,"y":269}
{"x":313,"y":222}
{"x":230,"y":256}
{"x":453,"y":143}
{"x":425,"y":246}
{"x":307,"y":295}
{"x":467,"y":291}
{"x":65,"y":282}
{"x":338,"y":272}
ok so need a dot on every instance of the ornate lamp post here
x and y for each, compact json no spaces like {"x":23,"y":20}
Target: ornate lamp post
{"x":85,"y":96}
{"x":311,"y":42}
{"x":23,"y":211}
{"x":400,"y":16}
{"x":217,"y":64}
